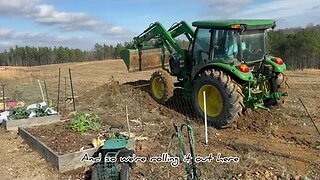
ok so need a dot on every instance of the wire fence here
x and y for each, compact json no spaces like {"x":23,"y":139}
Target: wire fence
{"x":22,"y":88}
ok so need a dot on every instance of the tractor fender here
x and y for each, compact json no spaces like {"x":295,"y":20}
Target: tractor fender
{"x":276,"y":67}
{"x":232,"y":70}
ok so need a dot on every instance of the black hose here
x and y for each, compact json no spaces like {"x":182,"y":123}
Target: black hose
{"x":310,"y":117}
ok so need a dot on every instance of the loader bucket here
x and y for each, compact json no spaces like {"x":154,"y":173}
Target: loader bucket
{"x":150,"y":59}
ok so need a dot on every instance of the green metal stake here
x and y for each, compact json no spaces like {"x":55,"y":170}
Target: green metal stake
{"x":58,"y":100}
{"x":65,"y":94}
{"x":192,"y":173}
{"x":74,"y":104}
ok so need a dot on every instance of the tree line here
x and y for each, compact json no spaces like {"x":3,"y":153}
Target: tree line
{"x":36,"y":56}
{"x":299,"y":47}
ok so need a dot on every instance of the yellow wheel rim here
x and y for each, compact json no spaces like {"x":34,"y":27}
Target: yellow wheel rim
{"x":158,"y":87}
{"x":214,"y":100}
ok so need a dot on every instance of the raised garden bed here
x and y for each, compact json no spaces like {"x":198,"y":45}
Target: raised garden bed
{"x":12,"y":125}
{"x":59,"y":145}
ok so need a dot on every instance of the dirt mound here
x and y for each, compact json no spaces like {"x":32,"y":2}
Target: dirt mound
{"x":113,"y":98}
{"x":257,"y":120}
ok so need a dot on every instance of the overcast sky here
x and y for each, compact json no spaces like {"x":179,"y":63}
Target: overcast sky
{"x":82,"y":23}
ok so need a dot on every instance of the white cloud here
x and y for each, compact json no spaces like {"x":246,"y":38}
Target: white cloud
{"x":223,"y":8}
{"x":5,"y":33}
{"x":289,"y":12}
{"x":280,"y":9}
{"x":16,"y":6}
{"x":46,"y":14}
{"x":6,"y":44}
{"x":43,"y":39}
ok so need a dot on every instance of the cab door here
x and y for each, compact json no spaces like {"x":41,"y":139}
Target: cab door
{"x":201,"y":46}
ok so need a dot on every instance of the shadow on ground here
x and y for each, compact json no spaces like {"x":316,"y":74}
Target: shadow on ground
{"x":178,"y":102}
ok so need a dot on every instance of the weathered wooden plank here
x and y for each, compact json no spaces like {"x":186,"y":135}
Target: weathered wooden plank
{"x":12,"y":125}
{"x":65,"y":162}
{"x":71,"y":161}
{"x":46,"y":152}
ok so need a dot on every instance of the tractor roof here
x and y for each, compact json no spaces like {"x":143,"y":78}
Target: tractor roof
{"x":252,"y":24}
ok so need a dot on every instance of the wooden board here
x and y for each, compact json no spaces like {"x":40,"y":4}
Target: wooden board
{"x":12,"y":125}
{"x":63,"y":163}
{"x":46,"y":152}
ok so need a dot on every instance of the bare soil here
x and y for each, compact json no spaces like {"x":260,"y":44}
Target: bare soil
{"x":281,"y":143}
{"x":62,"y":139}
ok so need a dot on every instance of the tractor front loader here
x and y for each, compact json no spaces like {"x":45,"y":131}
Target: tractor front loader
{"x":227,"y":60}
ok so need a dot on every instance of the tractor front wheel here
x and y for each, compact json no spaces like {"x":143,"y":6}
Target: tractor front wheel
{"x":162,"y":86}
{"x":224,"y":99}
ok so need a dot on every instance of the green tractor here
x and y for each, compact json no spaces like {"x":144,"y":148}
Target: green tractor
{"x":227,"y":60}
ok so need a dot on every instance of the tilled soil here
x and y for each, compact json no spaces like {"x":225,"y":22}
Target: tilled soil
{"x":62,"y":139}
{"x":280,"y":144}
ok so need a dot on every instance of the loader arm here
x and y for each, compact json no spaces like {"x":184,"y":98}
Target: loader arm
{"x":156,"y":30}
{"x":144,"y":58}
{"x":182,"y":28}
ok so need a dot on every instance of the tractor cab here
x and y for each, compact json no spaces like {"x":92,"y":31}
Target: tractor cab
{"x":233,"y":41}
{"x":218,"y":52}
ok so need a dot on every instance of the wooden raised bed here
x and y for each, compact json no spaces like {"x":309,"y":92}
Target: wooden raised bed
{"x":63,"y":163}
{"x":12,"y":125}
{"x":59,"y":146}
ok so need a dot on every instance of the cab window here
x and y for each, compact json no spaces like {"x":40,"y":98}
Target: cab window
{"x":201,"y":45}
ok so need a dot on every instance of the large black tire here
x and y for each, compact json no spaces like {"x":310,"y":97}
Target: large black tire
{"x":277,"y":84}
{"x":125,"y":171}
{"x":161,"y":86}
{"x":282,"y":82}
{"x":216,"y":82}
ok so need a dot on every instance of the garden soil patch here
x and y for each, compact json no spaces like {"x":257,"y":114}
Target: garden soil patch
{"x":62,"y":139}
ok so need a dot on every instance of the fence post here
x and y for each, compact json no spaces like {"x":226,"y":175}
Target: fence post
{"x":41,"y":90}
{"x":3,"y":98}
{"x":46,"y":89}
{"x":129,"y":132}
{"x":72,"y":93}
{"x":58,"y":100}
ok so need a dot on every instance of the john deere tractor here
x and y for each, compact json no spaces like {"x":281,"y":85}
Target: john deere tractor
{"x":228,"y":60}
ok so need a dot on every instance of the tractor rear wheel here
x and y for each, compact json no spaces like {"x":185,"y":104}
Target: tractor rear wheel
{"x":162,"y":86}
{"x":282,"y":82}
{"x":224,"y":98}
{"x":277,"y":84}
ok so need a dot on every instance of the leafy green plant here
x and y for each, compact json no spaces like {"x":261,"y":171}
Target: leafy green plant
{"x":40,"y":112}
{"x":82,"y":122}
{"x":19,"y":113}
{"x":22,"y":112}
